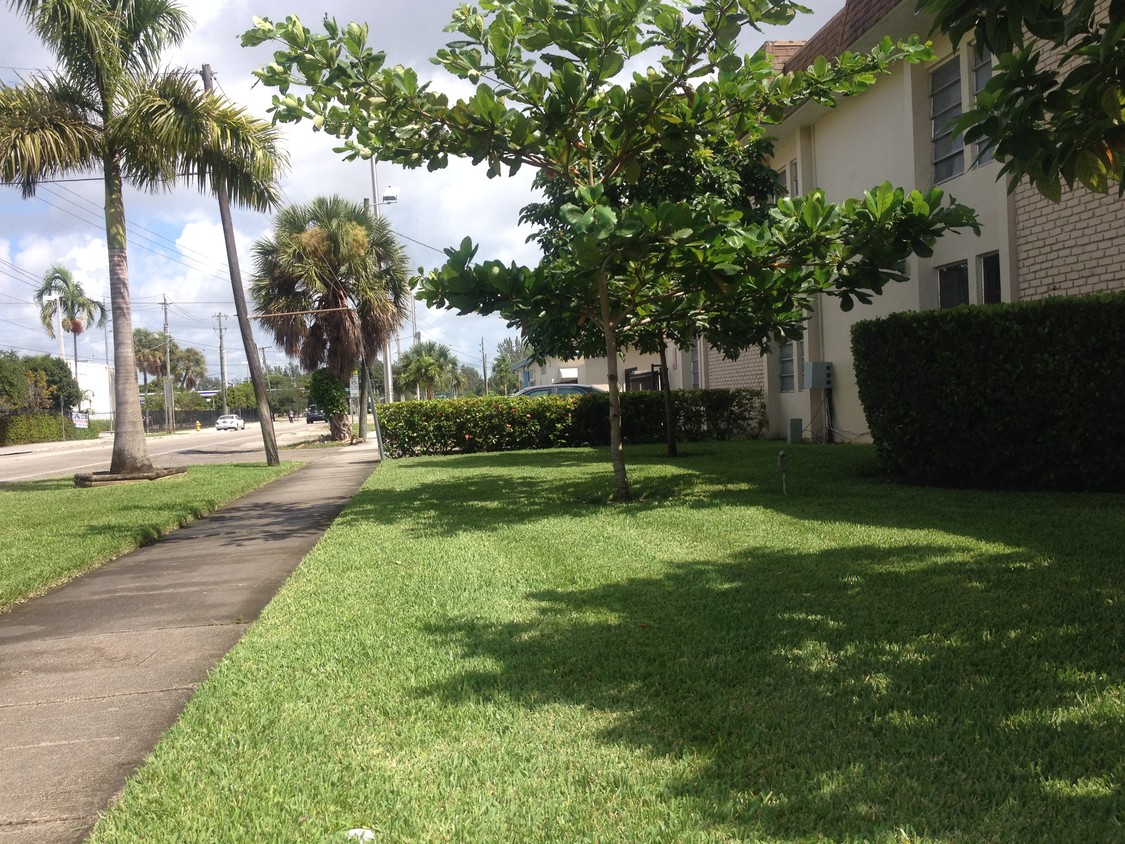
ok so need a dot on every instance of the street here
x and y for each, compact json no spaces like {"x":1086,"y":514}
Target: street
{"x":184,"y":448}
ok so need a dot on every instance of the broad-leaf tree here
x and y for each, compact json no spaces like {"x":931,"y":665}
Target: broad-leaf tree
{"x":552,"y":92}
{"x":1054,"y":109}
{"x":60,"y":293}
{"x":110,"y":108}
{"x":331,"y":286}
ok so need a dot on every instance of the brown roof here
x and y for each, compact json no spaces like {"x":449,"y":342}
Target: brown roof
{"x":840,"y":33}
{"x":782,"y":51}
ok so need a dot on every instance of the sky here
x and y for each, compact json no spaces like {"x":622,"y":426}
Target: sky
{"x":176,"y":250}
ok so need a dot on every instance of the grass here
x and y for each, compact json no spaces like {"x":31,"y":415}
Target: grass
{"x":481,"y":650}
{"x":51,"y":531}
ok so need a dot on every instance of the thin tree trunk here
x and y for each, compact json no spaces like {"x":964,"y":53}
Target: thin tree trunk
{"x":130,"y":451}
{"x":669,"y":410}
{"x":269,"y":438}
{"x":616,"y":442}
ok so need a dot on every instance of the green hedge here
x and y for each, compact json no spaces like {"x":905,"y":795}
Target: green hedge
{"x":497,"y":423}
{"x":1028,"y":395}
{"x":24,"y":429}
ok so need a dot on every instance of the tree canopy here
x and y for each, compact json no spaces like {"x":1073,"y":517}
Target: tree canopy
{"x":562,"y":86}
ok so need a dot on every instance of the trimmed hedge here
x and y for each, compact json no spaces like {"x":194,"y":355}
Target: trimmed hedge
{"x":498,"y":423}
{"x":1027,"y":395}
{"x":24,"y":429}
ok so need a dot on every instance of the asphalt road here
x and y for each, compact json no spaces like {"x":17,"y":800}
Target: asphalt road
{"x":185,"y":448}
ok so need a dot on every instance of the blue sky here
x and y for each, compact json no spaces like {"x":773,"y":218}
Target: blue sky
{"x":176,"y":248}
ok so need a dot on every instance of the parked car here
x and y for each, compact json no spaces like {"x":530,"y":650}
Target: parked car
{"x":230,"y":422}
{"x":558,"y":390}
{"x":314,"y":414}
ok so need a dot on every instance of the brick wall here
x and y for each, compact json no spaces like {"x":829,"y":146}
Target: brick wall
{"x":748,"y":371}
{"x":1074,"y":247}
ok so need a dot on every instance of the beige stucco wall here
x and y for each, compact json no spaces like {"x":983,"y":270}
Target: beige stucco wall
{"x":880,"y":135}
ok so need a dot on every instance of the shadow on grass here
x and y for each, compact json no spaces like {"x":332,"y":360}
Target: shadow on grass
{"x":848,"y":693}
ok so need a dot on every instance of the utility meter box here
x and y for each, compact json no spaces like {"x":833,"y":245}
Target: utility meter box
{"x":818,"y":375}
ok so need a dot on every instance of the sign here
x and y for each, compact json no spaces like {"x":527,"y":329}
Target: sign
{"x":80,"y":420}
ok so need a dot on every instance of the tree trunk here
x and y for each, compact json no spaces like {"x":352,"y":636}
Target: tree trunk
{"x":616,"y":443}
{"x":339,"y":427}
{"x":261,"y":393}
{"x":130,"y":451}
{"x":74,"y":335}
{"x":669,"y":410}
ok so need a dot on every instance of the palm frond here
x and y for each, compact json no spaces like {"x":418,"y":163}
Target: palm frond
{"x":146,"y":28}
{"x":47,"y":129}
{"x":178,"y":131}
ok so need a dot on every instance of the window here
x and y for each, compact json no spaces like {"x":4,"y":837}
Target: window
{"x":789,"y":362}
{"x":953,"y":285}
{"x":696,"y":367}
{"x":782,"y":182}
{"x":945,"y":106}
{"x":794,"y":184}
{"x":990,"y":279}
{"x":982,"y":72}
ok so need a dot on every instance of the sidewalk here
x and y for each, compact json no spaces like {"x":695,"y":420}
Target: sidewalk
{"x":93,"y":673}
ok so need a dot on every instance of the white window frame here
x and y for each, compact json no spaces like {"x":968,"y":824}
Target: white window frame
{"x":941,"y":131}
{"x":980,"y":72}
{"x":790,"y":353}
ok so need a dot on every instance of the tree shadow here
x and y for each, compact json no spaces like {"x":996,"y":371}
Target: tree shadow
{"x":844,"y":694}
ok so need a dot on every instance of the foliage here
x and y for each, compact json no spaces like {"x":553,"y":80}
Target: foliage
{"x":13,"y":382}
{"x":1042,"y":409}
{"x":58,"y":379}
{"x":551,"y":93}
{"x":326,"y":392}
{"x":497,"y":423}
{"x":428,"y":366}
{"x":109,"y":108}
{"x":1054,"y":109}
{"x":479,"y":651}
{"x":509,"y":351}
{"x":330,"y":284}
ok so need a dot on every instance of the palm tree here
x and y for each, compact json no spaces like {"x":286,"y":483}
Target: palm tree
{"x":331,"y":285}
{"x":148,"y":357}
{"x":111,"y":109}
{"x":60,"y":293}
{"x":189,"y":366}
{"x":428,"y":365}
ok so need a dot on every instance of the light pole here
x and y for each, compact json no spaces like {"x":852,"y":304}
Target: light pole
{"x":391,"y":196}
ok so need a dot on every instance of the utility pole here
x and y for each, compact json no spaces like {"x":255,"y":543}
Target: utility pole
{"x":169,"y":389}
{"x":222,"y":364}
{"x":269,"y":438}
{"x":484,"y":365}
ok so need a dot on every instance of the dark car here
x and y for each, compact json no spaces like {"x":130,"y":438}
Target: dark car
{"x":314,"y":414}
{"x":558,"y":390}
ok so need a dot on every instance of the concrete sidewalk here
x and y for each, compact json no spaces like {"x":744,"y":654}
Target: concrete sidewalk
{"x":93,"y":673}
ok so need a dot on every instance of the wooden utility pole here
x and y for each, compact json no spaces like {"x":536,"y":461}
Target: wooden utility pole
{"x":269,"y":438}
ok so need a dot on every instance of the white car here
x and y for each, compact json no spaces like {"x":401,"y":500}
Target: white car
{"x":230,"y":422}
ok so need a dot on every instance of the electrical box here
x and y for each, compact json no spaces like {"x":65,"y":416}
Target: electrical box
{"x":818,"y":375}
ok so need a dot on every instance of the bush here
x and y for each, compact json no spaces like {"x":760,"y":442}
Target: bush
{"x":23,"y":429}
{"x":1006,"y":396}
{"x":496,"y":423}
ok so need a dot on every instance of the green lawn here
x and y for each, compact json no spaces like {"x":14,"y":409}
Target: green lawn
{"x":51,"y":531}
{"x":481,"y":649}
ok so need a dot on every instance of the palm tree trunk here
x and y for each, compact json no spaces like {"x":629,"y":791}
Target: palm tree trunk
{"x":130,"y":451}
{"x":616,"y":442}
{"x":76,"y":384}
